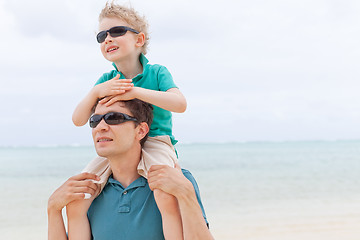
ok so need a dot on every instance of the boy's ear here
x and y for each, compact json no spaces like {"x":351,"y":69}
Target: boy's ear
{"x":140,"y":39}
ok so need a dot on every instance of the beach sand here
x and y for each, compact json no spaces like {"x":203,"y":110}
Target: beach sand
{"x":335,"y":219}
{"x":332,"y":220}
{"x":338,"y":228}
{"x":310,"y":192}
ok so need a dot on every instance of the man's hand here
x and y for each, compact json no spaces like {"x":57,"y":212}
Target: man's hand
{"x":173,"y":181}
{"x":113,"y":87}
{"x":73,"y":189}
{"x":170,"y":180}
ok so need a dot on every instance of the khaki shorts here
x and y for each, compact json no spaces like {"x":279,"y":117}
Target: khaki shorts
{"x":156,"y":151}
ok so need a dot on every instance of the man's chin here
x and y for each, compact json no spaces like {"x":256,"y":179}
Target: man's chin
{"x":102,"y":153}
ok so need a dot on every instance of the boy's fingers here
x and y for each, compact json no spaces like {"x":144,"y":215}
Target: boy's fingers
{"x":123,"y":80}
{"x":111,"y":101}
{"x":104,"y":100}
{"x":126,"y":88}
{"x":116,"y":77}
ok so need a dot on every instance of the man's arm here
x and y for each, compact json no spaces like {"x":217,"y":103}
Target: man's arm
{"x":73,"y":189}
{"x":172,"y":181}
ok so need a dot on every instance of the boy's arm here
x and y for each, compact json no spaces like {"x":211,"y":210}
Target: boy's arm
{"x":111,"y":87}
{"x":172,"y":100}
{"x":84,"y":109}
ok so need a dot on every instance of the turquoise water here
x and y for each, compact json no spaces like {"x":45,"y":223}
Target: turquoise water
{"x":237,"y":180}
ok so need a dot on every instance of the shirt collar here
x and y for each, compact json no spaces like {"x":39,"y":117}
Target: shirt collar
{"x":140,"y":182}
{"x":143,"y":60}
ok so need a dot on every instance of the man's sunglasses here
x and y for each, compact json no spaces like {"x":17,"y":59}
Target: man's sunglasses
{"x":111,"y":118}
{"x":114,"y":32}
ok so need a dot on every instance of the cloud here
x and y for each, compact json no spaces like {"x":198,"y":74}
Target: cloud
{"x":65,"y":20}
{"x":251,"y":70}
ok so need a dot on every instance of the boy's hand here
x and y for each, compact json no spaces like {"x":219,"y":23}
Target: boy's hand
{"x":128,"y":95}
{"x":113,"y":87}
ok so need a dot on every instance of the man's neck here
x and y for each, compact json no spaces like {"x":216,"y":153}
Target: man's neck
{"x":124,"y":168}
{"x":130,"y":66}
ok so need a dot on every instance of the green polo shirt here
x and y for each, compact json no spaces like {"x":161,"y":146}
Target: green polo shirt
{"x":129,"y":213}
{"x":155,"y":77}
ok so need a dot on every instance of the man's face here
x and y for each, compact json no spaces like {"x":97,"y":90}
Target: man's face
{"x":114,"y":140}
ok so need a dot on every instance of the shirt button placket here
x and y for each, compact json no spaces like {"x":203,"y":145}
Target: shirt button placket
{"x":125,"y":202}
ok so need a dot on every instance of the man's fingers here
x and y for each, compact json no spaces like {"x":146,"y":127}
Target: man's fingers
{"x":177,"y":166}
{"x":156,"y":167}
{"x":85,"y":176}
{"x":85,"y":189}
{"x":154,"y":183}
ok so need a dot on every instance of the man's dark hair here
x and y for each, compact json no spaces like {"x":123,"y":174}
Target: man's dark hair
{"x":142,"y":111}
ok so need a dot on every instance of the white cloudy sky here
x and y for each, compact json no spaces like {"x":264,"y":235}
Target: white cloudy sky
{"x":251,"y":70}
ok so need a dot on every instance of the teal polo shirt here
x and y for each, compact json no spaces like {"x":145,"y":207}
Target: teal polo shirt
{"x":129,"y":213}
{"x":154,"y":77}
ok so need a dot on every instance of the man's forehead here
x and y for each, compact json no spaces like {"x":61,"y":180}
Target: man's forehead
{"x":115,"y":107}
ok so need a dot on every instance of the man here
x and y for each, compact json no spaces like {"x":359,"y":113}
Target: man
{"x":126,"y":208}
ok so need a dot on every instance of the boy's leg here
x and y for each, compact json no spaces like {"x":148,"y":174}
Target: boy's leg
{"x":170,"y":214}
{"x":99,"y":166}
{"x":159,"y":151}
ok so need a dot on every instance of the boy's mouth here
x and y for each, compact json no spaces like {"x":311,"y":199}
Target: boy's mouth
{"x":111,"y":49}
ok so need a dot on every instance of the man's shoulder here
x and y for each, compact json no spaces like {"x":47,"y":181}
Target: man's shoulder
{"x":188,"y":175}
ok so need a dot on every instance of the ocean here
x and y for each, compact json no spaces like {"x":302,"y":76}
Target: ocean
{"x":253,"y":190}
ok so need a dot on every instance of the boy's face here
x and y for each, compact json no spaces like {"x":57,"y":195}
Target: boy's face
{"x":116,"y":49}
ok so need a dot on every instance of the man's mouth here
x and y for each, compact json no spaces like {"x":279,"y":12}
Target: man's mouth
{"x":112,"y":49}
{"x":104,"y":140}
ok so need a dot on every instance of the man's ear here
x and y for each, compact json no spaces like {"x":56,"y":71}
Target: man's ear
{"x":143,"y":129}
{"x":140,"y":39}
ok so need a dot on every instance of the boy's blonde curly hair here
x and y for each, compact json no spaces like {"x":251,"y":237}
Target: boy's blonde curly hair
{"x":130,"y":16}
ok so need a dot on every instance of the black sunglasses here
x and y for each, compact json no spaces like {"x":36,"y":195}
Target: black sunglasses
{"x":114,"y":32}
{"x":111,"y":118}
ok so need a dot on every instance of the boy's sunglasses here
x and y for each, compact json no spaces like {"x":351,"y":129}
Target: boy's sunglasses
{"x":111,"y":118}
{"x":114,"y":32}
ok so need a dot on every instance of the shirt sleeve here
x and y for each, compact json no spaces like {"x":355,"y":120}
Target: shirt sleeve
{"x":105,"y":77}
{"x":190,"y":177}
{"x":165,"y":80}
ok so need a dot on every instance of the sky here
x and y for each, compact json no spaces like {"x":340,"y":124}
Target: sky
{"x":250,"y":70}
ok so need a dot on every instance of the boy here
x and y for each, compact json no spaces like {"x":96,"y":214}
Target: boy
{"x":123,"y":39}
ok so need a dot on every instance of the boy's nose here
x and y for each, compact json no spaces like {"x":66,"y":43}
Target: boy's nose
{"x":108,"y":38}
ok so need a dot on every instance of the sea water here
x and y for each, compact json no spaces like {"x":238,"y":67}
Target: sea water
{"x":247,"y":188}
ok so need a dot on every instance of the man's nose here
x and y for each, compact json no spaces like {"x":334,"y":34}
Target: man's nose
{"x":102,"y":125}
